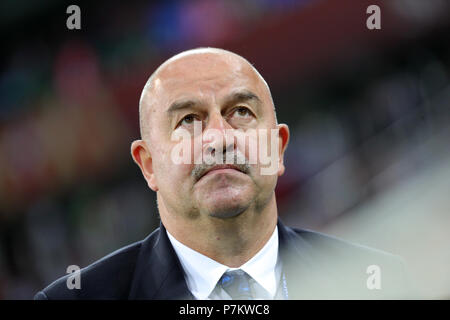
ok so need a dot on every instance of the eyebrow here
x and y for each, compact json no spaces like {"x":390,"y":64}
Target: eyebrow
{"x":235,"y":97}
{"x":182,"y":104}
{"x":242,"y":96}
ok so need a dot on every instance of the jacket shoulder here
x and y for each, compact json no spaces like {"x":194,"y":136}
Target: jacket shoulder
{"x":107,"y":278}
{"x":335,"y":245}
{"x":345,"y":267}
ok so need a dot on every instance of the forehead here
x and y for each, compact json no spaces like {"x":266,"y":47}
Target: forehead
{"x":204,"y":75}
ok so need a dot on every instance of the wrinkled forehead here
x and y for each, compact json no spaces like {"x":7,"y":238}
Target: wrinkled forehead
{"x":202,"y":75}
{"x":205,"y":75}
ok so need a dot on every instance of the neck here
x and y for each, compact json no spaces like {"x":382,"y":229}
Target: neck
{"x":231,"y":241}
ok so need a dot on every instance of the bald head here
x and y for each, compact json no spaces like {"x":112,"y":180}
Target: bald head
{"x":193,"y":65}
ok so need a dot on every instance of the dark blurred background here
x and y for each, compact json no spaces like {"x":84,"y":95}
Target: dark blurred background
{"x":369,"y":113}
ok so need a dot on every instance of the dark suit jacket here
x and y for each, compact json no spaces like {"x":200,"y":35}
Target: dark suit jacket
{"x":316,"y":266}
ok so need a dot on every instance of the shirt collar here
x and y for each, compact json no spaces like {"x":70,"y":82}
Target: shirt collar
{"x":203,"y":273}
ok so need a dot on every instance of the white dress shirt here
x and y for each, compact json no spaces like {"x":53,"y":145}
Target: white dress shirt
{"x":202,"y":273}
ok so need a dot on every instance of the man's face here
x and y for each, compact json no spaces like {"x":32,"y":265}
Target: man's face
{"x":218,"y":93}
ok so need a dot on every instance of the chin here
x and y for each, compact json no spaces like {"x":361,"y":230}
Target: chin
{"x":227,"y":212}
{"x":222,"y":199}
{"x":224,"y":206}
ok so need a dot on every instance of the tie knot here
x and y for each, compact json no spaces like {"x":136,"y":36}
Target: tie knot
{"x":236,"y":284}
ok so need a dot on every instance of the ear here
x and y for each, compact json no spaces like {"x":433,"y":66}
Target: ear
{"x":141,"y":155}
{"x":283,"y":136}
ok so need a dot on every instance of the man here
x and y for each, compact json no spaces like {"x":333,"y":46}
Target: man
{"x":220,"y":236}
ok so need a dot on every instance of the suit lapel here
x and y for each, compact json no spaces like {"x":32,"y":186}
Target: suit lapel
{"x":158,"y":273}
{"x":299,"y":263}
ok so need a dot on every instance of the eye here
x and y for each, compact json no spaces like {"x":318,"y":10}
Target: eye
{"x":188,"y":120}
{"x":242,"y":112}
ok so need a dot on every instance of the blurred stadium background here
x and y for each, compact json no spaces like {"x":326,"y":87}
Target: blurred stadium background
{"x":369,"y":112}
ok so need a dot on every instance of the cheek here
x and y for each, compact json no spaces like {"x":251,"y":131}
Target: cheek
{"x":264,"y":180}
{"x":247,"y":144}
{"x":260,"y":146}
{"x":169,"y":174}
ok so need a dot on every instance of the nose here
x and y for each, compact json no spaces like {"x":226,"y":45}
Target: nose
{"x":218,"y":136}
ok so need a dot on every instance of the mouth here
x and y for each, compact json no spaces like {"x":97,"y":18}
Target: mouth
{"x":222,"y":168}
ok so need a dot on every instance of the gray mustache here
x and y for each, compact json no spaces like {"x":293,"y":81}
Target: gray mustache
{"x":200,"y":169}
